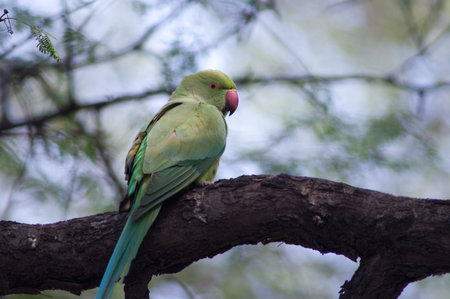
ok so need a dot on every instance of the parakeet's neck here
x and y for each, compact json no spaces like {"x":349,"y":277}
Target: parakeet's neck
{"x":181,"y":93}
{"x":185,"y":95}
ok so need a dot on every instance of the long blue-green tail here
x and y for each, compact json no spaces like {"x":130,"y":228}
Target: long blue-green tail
{"x":126,"y":249}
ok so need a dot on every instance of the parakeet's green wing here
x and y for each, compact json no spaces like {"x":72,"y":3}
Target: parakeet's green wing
{"x":135,"y":157}
{"x":181,"y":145}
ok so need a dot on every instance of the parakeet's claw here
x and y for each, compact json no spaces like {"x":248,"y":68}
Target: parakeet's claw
{"x":206,"y":183}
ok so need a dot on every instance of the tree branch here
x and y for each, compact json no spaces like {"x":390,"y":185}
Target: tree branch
{"x":248,"y":80}
{"x":388,"y":79}
{"x":399,"y":239}
{"x":73,"y":108}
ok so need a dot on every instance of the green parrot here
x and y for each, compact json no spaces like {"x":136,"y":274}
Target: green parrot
{"x":180,"y":146}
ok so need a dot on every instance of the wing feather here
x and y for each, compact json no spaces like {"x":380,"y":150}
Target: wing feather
{"x":180,"y":146}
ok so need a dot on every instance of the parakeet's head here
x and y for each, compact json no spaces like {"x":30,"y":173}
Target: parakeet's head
{"x":211,"y":87}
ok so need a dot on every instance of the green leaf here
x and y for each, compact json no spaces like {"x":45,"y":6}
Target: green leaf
{"x":44,"y":45}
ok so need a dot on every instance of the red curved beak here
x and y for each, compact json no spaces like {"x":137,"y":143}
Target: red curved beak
{"x":232,"y":100}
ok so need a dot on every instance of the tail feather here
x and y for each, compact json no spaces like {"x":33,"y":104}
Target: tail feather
{"x":126,"y":249}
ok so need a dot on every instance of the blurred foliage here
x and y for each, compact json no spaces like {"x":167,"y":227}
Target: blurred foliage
{"x":44,"y":45}
{"x":355,"y":91}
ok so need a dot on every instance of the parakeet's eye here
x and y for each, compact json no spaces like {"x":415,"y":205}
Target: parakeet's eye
{"x":213,"y":86}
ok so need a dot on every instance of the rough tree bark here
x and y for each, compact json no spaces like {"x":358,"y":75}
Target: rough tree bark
{"x":399,"y":240}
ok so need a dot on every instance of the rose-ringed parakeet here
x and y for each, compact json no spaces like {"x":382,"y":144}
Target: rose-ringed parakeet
{"x":181,"y":145}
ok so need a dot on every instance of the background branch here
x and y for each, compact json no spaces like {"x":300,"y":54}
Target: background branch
{"x":71,"y":107}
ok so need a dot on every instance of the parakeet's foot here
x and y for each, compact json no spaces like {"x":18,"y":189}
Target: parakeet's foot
{"x":206,"y":183}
